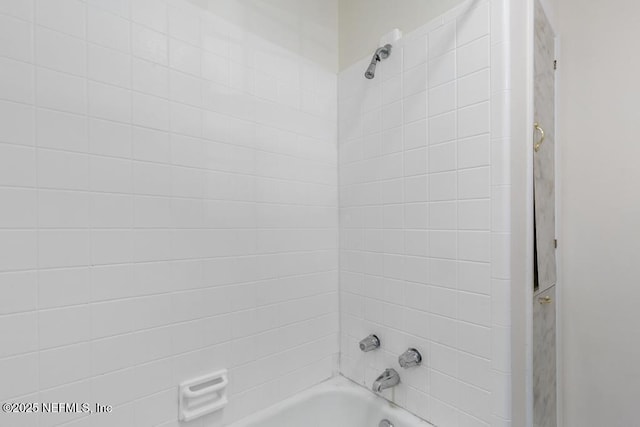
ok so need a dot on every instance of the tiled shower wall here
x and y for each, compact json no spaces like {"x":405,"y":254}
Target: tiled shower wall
{"x":169,"y":207}
{"x":424,"y":217}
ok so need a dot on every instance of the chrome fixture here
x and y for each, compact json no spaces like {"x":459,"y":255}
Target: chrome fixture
{"x":389,"y":378}
{"x":538,"y":144}
{"x":385,"y":423}
{"x":370,"y":343}
{"x":410,"y":358}
{"x":380,"y":54}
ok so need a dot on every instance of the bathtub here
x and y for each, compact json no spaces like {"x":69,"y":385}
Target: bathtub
{"x":334,"y":403}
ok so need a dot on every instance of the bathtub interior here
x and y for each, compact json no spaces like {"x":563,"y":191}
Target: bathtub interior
{"x":337,"y":403}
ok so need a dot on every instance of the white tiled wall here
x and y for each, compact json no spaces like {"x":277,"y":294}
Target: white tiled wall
{"x":424,"y":207}
{"x":169,"y":197}
{"x":169,"y":207}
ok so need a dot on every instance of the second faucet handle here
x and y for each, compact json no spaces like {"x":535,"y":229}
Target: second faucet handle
{"x":369,"y":343}
{"x":410,"y":358}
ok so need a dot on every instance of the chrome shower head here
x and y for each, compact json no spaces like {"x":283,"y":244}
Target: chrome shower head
{"x":371,"y":70}
{"x":380,"y":54}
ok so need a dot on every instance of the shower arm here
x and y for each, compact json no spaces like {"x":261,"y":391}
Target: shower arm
{"x":381,"y":53}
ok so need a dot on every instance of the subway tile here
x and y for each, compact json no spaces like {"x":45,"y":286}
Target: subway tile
{"x":150,"y":78}
{"x":416,"y":188}
{"x":19,"y":124}
{"x":475,"y":339}
{"x":442,"y":244}
{"x":19,"y":208}
{"x":109,"y":66}
{"x":20,"y":375}
{"x":103,"y":324}
{"x":111,"y":210}
{"x":442,"y":216}
{"x":63,"y":287}
{"x":186,"y":120}
{"x":151,"y":179}
{"x":18,"y":250}
{"x":64,"y":326}
{"x":475,"y":308}
{"x":414,"y":80}
{"x":111,"y":246}
{"x":109,"y":138}
{"x":473,"y":25}
{"x":151,"y":145}
{"x":16,"y":38}
{"x":18,"y":9}
{"x":442,"y":128}
{"x":474,"y":215}
{"x":416,"y":162}
{"x":474,"y":120}
{"x":109,"y":102}
{"x":117,"y":7}
{"x":443,"y":186}
{"x":442,"y":99}
{"x":415,"y":52}
{"x":474,"y":88}
{"x":60,"y":91}
{"x":16,"y":81}
{"x":63,"y":248}
{"x":474,"y":277}
{"x":60,"y":52}
{"x":415,"y":107}
{"x":392,"y":114}
{"x":63,"y":209}
{"x":20,"y":292}
{"x":63,"y":170}
{"x":474,"y":151}
{"x":65,"y":365}
{"x":113,"y":281}
{"x":415,"y":135}
{"x":110,"y":175}
{"x":185,"y":57}
{"x":473,"y":57}
{"x":150,"y":13}
{"x":17,"y":166}
{"x":474,"y":183}
{"x":109,"y":30}
{"x":442,"y":69}
{"x":442,"y":157}
{"x":113,"y":353}
{"x":62,"y":131}
{"x":416,"y":215}
{"x":474,"y":246}
{"x":184,"y":25}
{"x":442,"y":40}
{"x":19,"y":332}
{"x":66,"y":16}
{"x":216,"y":68}
{"x":150,"y":111}
{"x":149,"y":44}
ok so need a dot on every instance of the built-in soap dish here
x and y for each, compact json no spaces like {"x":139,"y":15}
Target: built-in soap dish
{"x":203,"y":395}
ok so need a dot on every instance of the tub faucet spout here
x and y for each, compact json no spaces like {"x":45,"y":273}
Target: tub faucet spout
{"x":389,"y":378}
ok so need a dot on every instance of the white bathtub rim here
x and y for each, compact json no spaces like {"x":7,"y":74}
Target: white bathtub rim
{"x":345,"y":385}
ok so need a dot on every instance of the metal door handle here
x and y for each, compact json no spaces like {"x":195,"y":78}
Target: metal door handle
{"x":544,"y":300}
{"x":537,"y":145}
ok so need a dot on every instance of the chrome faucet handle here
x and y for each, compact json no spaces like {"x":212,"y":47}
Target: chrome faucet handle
{"x":389,"y":378}
{"x":410,"y":358}
{"x":370,"y":343}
